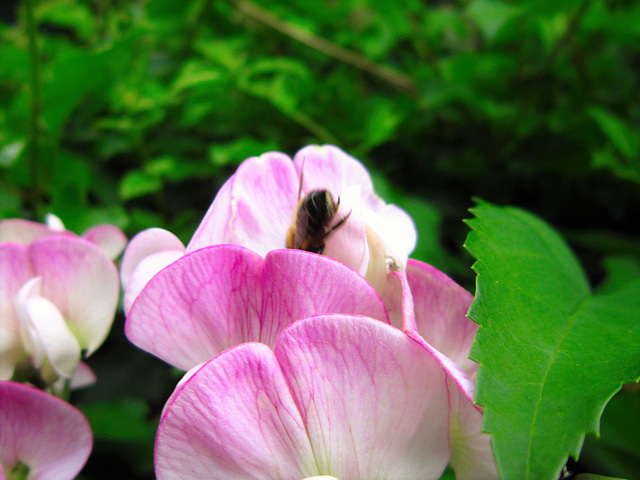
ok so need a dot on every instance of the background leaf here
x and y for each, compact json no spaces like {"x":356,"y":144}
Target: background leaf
{"x":551,"y":353}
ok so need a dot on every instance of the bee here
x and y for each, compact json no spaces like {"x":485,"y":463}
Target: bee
{"x":312,"y":221}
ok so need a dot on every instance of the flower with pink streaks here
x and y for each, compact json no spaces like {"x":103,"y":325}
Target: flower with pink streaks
{"x":108,"y":237}
{"x":41,"y":436}
{"x":343,"y":396}
{"x":58,"y":296}
{"x":260,"y":203}
{"x":221,"y":296}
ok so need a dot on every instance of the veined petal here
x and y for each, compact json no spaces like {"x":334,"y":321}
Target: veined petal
{"x":399,"y":301}
{"x":441,"y":306}
{"x":25,"y":231}
{"x":471,"y":453}
{"x":262,"y":197}
{"x":372,"y":400}
{"x":108,"y":237}
{"x":326,"y":167}
{"x":46,"y":434}
{"x":233,"y":419}
{"x":49,"y":336}
{"x":82,"y":283}
{"x":145,"y":271}
{"x":144,"y":244}
{"x":226,"y":295}
{"x":15,"y":271}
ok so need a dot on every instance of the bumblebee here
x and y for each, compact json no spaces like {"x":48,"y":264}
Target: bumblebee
{"x":312,"y":221}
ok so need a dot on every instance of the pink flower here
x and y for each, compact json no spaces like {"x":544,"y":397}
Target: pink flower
{"x":221,"y":296}
{"x":58,"y":297}
{"x":108,"y":237}
{"x":259,"y":204}
{"x":41,"y":436}
{"x":360,"y":386}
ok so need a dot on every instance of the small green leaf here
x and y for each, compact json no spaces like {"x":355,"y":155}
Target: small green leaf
{"x":137,"y":183}
{"x":491,"y":15}
{"x":551,"y":353}
{"x":623,"y":136}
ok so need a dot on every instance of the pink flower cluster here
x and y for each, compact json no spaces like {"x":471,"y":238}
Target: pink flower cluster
{"x":352,"y":364}
{"x":58,"y":297}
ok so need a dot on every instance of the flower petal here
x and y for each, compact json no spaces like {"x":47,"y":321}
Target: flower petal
{"x":48,"y":335}
{"x":15,"y":270}
{"x":49,"y":436}
{"x":326,"y":167}
{"x":234,"y":419}
{"x":261,"y":197}
{"x":144,"y":244}
{"x":372,"y":400}
{"x":348,"y":243}
{"x":24,"y":231}
{"x":82,"y":283}
{"x":441,"y":306}
{"x":471,"y":453}
{"x":226,"y":295}
{"x":108,"y":237}
{"x":145,"y":271}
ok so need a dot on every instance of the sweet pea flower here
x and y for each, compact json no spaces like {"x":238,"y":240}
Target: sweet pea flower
{"x":41,"y":436}
{"x":258,"y":205}
{"x":108,"y":237}
{"x":217,"y":297}
{"x":58,"y":297}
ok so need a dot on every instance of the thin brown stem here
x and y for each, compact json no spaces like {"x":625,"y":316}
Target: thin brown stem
{"x":396,"y":79}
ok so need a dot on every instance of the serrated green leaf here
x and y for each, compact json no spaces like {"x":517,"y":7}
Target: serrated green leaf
{"x":551,"y":353}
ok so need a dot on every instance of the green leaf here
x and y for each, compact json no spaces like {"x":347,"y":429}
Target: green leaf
{"x":137,"y":183}
{"x":124,"y":419}
{"x":491,"y":15}
{"x":624,"y":137}
{"x":551,"y":353}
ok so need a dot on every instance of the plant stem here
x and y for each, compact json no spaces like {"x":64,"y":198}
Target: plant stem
{"x":36,"y":107}
{"x":396,"y":79}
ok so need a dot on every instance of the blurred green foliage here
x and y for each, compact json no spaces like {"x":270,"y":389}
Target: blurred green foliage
{"x":139,"y":110}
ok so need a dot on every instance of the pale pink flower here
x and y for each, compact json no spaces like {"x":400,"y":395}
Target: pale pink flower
{"x":352,"y":413}
{"x":108,"y":237}
{"x":41,"y":436}
{"x":58,"y":296}
{"x":257,"y":206}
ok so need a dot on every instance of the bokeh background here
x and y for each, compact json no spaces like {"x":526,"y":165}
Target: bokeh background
{"x":135,"y":112}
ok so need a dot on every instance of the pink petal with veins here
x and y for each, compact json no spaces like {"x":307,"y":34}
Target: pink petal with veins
{"x":144,"y":244}
{"x":82,"y":283}
{"x":49,"y":436}
{"x":471,"y":453}
{"x":441,"y":307}
{"x":345,"y":396}
{"x":145,"y":271}
{"x":325,"y":167}
{"x":108,"y":237}
{"x":234,"y":419}
{"x":15,"y":270}
{"x":225,"y":295}
{"x":261,"y":196}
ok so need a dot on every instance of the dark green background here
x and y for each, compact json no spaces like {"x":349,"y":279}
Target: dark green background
{"x":143,"y":109}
